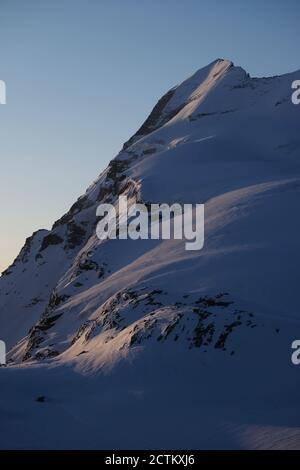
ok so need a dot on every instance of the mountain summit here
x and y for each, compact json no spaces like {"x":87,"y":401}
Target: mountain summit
{"x":194,"y":89}
{"x":158,"y":325}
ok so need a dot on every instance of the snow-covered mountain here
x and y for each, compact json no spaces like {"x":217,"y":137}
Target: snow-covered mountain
{"x":142,"y":343}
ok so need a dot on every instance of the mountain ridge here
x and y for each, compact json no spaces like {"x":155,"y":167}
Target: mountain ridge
{"x":207,"y":90}
{"x":144,"y":332}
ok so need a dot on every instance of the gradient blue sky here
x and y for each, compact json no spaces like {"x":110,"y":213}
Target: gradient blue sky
{"x":82,"y":75}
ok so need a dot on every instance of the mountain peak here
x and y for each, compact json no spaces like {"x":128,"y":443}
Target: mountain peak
{"x":220,"y":60}
{"x":179,"y":96}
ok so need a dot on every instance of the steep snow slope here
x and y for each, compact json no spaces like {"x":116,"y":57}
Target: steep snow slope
{"x":160,"y":320}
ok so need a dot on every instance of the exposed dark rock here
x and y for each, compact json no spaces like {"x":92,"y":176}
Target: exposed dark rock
{"x":154,"y":120}
{"x":203,"y":334}
{"x":202,"y":115}
{"x":55,"y":300}
{"x":51,"y":239}
{"x":149,"y":151}
{"x":220,"y":344}
{"x":34,"y":301}
{"x":41,"y":399}
{"x":82,"y":203}
{"x":78,"y":284}
{"x":88,"y":265}
{"x":87,"y":326}
{"x":7,"y":271}
{"x":213,"y":302}
{"x":47,"y":323}
{"x":46,"y":354}
{"x":75,"y":235}
{"x":170,"y":327}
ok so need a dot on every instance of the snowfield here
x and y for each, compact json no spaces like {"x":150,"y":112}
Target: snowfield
{"x":121,"y":344}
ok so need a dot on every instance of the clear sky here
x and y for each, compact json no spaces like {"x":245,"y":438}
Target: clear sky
{"x":82,"y":75}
